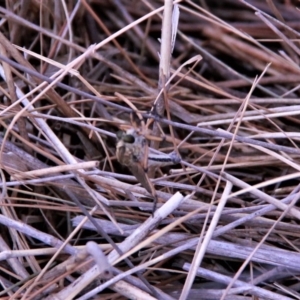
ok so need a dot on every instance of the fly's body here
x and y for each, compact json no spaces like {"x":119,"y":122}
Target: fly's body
{"x":130,"y":148}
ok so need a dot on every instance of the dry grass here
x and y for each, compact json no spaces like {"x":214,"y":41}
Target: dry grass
{"x":227,"y":219}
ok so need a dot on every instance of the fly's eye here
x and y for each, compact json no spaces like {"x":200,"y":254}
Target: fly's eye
{"x":128,"y":138}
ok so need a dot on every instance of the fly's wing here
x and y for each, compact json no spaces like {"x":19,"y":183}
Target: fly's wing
{"x":139,"y":172}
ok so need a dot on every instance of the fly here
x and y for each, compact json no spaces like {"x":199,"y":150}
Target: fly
{"x":132,"y":152}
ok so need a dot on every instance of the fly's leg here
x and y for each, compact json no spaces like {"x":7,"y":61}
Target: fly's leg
{"x":155,"y":199}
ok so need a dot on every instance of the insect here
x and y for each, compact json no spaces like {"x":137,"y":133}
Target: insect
{"x":132,"y":152}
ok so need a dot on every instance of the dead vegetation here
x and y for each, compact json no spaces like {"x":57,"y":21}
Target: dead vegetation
{"x":227,"y":220}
